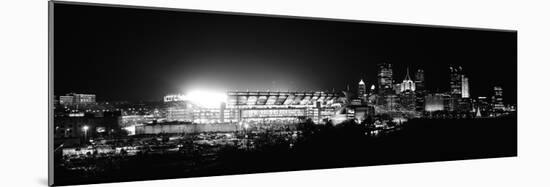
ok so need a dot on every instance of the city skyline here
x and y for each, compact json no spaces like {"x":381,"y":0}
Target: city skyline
{"x":461,"y":87}
{"x":142,"y":94}
{"x":158,"y":55}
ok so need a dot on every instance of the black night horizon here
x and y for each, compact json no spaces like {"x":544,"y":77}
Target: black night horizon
{"x":144,"y":54}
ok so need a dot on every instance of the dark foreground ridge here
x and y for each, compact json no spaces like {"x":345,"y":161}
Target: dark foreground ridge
{"x":418,"y":140}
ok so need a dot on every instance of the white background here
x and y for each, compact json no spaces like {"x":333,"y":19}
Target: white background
{"x":23,"y":59}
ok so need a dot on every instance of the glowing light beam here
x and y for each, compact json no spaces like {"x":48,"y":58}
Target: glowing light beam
{"x":207,"y":99}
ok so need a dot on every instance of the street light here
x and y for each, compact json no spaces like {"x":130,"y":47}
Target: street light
{"x":246,"y":126}
{"x":85,"y":129}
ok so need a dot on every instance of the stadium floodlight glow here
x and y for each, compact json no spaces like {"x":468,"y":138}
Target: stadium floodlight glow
{"x":207,"y":99}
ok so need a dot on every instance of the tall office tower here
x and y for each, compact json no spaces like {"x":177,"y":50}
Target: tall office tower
{"x":408,"y":84}
{"x":372,"y":88}
{"x":407,"y":100}
{"x":421,"y":91}
{"x":455,"y":80}
{"x":498,"y":102}
{"x":455,"y":91}
{"x":397,"y":88}
{"x":465,"y":88}
{"x":419,"y":81}
{"x":362,"y":90}
{"x":385,"y":80}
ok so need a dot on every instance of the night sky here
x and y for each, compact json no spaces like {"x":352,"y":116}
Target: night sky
{"x":139,"y":54}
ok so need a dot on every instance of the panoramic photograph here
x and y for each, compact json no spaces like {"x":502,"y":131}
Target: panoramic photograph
{"x":151,"y":93}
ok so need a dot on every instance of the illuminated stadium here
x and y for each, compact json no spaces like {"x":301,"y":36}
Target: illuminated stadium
{"x":253,"y":107}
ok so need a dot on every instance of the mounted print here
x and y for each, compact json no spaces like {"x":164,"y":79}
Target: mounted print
{"x":140,"y":93}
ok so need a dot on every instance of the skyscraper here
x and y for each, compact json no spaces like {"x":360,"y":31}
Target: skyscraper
{"x":385,"y":79}
{"x":407,"y":100}
{"x":408,"y":84}
{"x":419,"y":81}
{"x":421,"y":91}
{"x":372,"y":87}
{"x":465,"y":88}
{"x":362,"y":90}
{"x":498,"y":101}
{"x":396,"y":88}
{"x":455,"y":80}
